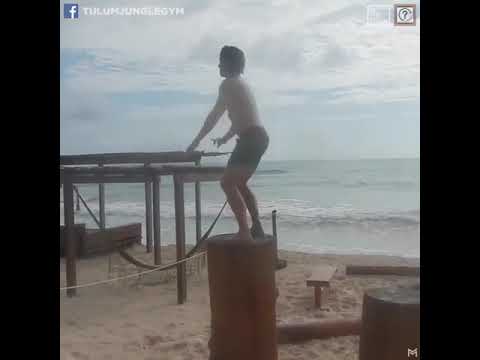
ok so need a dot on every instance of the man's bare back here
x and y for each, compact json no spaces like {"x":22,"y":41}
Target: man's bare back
{"x":240,"y":103}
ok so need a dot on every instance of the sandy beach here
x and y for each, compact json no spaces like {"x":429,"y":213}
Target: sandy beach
{"x":139,"y":318}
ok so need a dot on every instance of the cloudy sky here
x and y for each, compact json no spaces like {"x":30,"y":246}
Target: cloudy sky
{"x":328,"y":84}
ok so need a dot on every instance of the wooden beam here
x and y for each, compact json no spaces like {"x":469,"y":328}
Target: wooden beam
{"x":198,"y":208}
{"x":119,"y":174}
{"x":131,"y":158}
{"x":116,"y":170}
{"x":70,"y":243}
{"x":78,"y":200}
{"x":101,"y":202}
{"x":156,"y":221}
{"x":104,"y":170}
{"x":131,"y":179}
{"x":106,"y":179}
{"x":98,"y":242}
{"x":148,"y":214}
{"x":186,"y":169}
{"x":383,"y":270}
{"x":323,"y":329}
{"x":180,"y":237}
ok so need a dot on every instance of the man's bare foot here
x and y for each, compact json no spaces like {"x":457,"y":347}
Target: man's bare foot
{"x":243,"y":235}
{"x":256,"y":230}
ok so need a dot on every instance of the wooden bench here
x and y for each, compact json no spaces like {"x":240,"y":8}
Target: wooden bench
{"x":320,"y":278}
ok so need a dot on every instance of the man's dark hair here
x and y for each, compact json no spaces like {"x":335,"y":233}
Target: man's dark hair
{"x":234,"y":58}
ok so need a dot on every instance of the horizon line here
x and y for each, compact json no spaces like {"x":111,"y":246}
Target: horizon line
{"x":346,"y":159}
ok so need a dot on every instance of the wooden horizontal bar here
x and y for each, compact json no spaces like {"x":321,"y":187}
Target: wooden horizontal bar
{"x":383,"y":270}
{"x":106,"y":179}
{"x":147,"y":169}
{"x":322,"y":329}
{"x":131,"y":158}
{"x":185,"y":169}
{"x":116,"y":170}
{"x":129,"y":174}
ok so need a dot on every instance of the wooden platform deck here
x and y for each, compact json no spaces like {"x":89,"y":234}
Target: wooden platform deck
{"x":91,"y":242}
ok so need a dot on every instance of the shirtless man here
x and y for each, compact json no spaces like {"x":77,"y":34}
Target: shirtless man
{"x":236,"y":97}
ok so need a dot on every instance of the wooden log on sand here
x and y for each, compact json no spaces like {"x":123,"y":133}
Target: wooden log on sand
{"x":242,"y":298}
{"x":390,"y":324}
{"x":382,"y":270}
{"x":291,"y":333}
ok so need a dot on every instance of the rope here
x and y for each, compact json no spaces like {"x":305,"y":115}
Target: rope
{"x":153,"y":268}
{"x":141,"y":264}
{"x":86,"y":207}
{"x":207,"y":233}
{"x":158,"y":268}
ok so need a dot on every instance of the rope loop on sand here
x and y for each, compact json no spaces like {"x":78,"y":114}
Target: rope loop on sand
{"x":161,"y":267}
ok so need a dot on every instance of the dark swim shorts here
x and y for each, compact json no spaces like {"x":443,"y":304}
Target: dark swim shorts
{"x":251,"y":145}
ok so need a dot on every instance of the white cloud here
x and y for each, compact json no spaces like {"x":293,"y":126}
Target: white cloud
{"x":295,"y":44}
{"x":312,"y":46}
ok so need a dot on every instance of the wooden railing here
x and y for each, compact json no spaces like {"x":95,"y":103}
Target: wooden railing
{"x":149,"y":172}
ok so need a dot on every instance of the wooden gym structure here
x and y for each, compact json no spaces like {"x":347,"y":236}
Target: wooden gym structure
{"x":147,"y":168}
{"x":241,"y":274}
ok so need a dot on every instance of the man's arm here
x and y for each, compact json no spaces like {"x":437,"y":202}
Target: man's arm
{"x":212,"y":118}
{"x":224,"y":139}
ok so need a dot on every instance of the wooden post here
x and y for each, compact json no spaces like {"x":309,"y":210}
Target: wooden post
{"x":70,"y":243}
{"x":198,"y":207}
{"x":318,"y":296}
{"x":390,"y":324}
{"x":242,"y":298}
{"x":156,"y":221}
{"x":78,"y":201}
{"x":180,"y":237}
{"x":274,"y":231}
{"x":101,"y":203}
{"x":280,"y":263}
{"x":148,"y":212}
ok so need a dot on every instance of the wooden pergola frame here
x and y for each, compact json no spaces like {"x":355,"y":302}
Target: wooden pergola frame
{"x":147,"y":168}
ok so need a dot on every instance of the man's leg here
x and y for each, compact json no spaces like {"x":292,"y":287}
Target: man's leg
{"x":230,"y":182}
{"x":252,"y":206}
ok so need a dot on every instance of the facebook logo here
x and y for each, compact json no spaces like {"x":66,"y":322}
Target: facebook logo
{"x":70,"y":11}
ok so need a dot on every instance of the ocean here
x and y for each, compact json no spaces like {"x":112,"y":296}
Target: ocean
{"x":323,"y":206}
